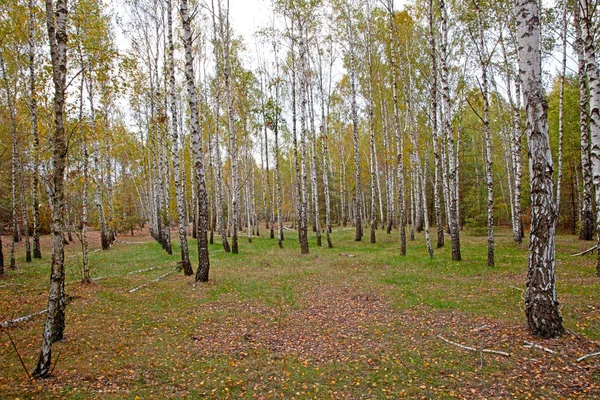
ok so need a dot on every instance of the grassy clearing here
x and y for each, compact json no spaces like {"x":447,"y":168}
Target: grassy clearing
{"x":356,"y":321}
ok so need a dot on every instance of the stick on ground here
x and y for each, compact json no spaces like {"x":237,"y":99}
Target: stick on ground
{"x":462,"y":346}
{"x":135,"y":289}
{"x":588,"y":355}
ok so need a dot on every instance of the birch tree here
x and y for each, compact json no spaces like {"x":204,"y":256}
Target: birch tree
{"x":541,"y":305}
{"x":586,"y":214}
{"x":56,"y":22}
{"x":202,"y":196}
{"x":185,"y":255}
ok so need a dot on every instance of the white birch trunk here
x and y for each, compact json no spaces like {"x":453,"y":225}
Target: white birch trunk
{"x":541,"y":305}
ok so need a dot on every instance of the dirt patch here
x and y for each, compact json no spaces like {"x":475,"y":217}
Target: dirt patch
{"x":332,"y":325}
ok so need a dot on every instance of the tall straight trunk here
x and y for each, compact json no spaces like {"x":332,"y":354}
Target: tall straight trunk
{"x":179,"y":193}
{"x":85,"y":266}
{"x":586,"y":231}
{"x":196,"y":137}
{"x":447,"y":128}
{"x":14,"y":161}
{"x":24,"y":212}
{"x":219,"y":186}
{"x":296,"y":194}
{"x":561,"y":106}
{"x":434,"y":129}
{"x":354,"y":111}
{"x":313,"y":172}
{"x":303,"y":198}
{"x":262,"y":170}
{"x":233,"y":150}
{"x":516,"y":140}
{"x":399,"y":136}
{"x":37,"y":251}
{"x":389,"y":176}
{"x":218,"y":166}
{"x":104,"y":236}
{"x":484,"y":62}
{"x":372,"y":156}
{"x":278,"y":179}
{"x":269,"y":196}
{"x":423,"y":189}
{"x":109,"y":186}
{"x":541,"y":305}
{"x":342,"y":184}
{"x":276,"y":155}
{"x":55,"y":318}
{"x":594,"y":86}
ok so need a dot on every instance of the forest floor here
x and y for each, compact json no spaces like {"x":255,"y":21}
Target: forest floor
{"x":353,"y":322}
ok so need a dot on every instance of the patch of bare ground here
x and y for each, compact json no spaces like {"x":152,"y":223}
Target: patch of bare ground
{"x":332,"y":324}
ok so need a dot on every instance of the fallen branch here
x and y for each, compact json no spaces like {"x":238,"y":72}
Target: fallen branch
{"x":501,"y":353}
{"x":81,"y":253}
{"x":588,"y":355}
{"x":462,"y":346}
{"x":583,"y":253}
{"x":529,"y":345}
{"x":121,"y":241}
{"x":12,"y":284}
{"x":152,"y":281}
{"x":25,"y":318}
{"x":139,"y":271}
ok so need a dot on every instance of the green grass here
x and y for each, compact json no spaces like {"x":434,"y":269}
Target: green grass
{"x":274,"y":324}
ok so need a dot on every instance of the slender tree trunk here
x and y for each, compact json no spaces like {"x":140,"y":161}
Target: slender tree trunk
{"x":14,"y":152}
{"x":594,"y":85}
{"x":302,"y":198}
{"x":313,"y":172}
{"x":104,"y":237}
{"x":85,"y":266}
{"x":447,"y":127}
{"x":109,"y":185}
{"x":354,"y":108}
{"x":37,"y":251}
{"x":233,"y":150}
{"x":24,"y":212}
{"x":587,"y":219}
{"x":434,"y":128}
{"x":541,"y":305}
{"x":484,"y":62}
{"x":561,"y":106}
{"x":398,"y":134}
{"x":196,"y":137}
{"x":179,"y":193}
{"x":55,"y":318}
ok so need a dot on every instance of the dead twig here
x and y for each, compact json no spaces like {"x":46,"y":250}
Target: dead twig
{"x":462,"y":346}
{"x":583,"y":253}
{"x":24,"y":318}
{"x":588,"y":355}
{"x":152,"y":281}
{"x":529,"y":345}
